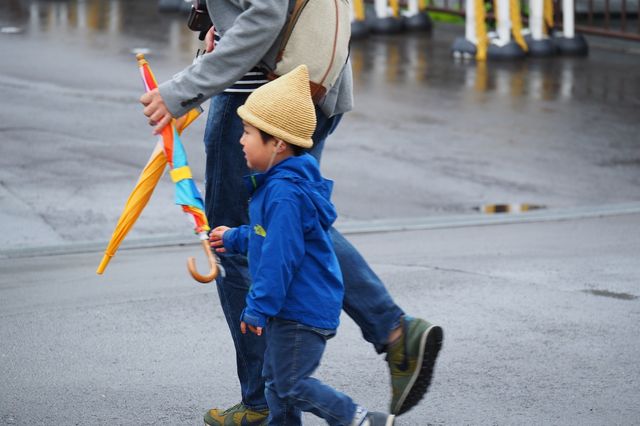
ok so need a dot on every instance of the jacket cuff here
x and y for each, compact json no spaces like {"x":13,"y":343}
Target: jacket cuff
{"x":229,"y":239}
{"x":175,"y":104}
{"x":253,"y":318}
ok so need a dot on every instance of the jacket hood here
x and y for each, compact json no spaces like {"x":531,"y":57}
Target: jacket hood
{"x":304,"y":171}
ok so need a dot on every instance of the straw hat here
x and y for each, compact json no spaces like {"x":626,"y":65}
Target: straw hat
{"x":283,"y":108}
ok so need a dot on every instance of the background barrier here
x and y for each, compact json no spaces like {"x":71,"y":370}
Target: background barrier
{"x":610,"y":18}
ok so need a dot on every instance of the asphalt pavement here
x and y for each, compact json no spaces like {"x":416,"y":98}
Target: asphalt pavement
{"x":540,"y":309}
{"x":540,"y":324}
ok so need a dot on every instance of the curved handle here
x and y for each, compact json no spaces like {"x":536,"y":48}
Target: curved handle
{"x":213,"y":272}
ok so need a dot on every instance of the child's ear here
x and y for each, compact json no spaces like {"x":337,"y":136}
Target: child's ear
{"x":280,"y":145}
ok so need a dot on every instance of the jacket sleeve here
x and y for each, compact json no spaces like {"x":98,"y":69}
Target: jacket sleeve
{"x":236,"y":240}
{"x":241,"y":48}
{"x":282,"y":253}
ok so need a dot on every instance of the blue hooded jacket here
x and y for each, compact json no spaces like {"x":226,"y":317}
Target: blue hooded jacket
{"x":293,"y":266}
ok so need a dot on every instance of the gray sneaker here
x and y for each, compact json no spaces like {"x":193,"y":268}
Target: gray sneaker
{"x":374,"y":418}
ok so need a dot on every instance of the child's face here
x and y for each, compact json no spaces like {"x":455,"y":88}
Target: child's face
{"x":257,"y":153}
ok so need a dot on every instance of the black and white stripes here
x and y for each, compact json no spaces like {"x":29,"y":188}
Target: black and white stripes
{"x":250,"y":81}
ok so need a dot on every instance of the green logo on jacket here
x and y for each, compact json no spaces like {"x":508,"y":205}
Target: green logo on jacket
{"x":259,"y":230}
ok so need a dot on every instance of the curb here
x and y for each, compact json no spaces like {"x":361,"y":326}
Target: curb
{"x":355,"y":228}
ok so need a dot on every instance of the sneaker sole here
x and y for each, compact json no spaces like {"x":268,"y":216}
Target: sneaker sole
{"x":430,"y":344}
{"x":208,"y":421}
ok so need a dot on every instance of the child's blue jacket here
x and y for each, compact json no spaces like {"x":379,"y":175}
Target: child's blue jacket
{"x":294,"y":269}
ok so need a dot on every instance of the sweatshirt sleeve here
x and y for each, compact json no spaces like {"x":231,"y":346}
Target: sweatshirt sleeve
{"x":241,"y":48}
{"x":282,"y":253}
{"x":236,"y":240}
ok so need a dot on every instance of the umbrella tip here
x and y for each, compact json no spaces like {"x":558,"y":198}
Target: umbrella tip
{"x":140,"y":56}
{"x":103,"y":263}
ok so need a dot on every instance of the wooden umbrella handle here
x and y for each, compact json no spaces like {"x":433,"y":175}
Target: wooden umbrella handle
{"x":213,"y":265}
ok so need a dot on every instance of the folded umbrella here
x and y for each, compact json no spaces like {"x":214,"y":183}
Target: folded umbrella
{"x":169,"y":150}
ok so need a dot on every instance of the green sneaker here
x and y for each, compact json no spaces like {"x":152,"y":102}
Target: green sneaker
{"x":238,"y":415}
{"x":411,"y":360}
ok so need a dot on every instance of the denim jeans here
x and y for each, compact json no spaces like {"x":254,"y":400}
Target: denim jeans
{"x":293,"y":353}
{"x":366,"y":299}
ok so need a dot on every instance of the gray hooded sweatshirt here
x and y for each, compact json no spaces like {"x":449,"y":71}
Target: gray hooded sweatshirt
{"x":250,"y":33}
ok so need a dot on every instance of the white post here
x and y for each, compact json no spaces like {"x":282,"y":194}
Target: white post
{"x":82,"y":15}
{"x":470,"y":22}
{"x":412,"y":8}
{"x":536,"y":19}
{"x":114,"y":17}
{"x":504,"y":23}
{"x":568,"y":25}
{"x":381,"y":8}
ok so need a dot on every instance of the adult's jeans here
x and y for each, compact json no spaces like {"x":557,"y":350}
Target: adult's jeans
{"x":366,"y":300}
{"x":293,"y":353}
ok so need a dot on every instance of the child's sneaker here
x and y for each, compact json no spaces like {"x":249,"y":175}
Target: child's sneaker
{"x":237,"y":415}
{"x":374,"y":418}
{"x":411,"y":360}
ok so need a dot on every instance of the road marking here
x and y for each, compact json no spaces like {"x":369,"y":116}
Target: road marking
{"x":508,"y":208}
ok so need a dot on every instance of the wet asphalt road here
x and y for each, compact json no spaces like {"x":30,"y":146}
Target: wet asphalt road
{"x":428,"y":136}
{"x":540,"y":319}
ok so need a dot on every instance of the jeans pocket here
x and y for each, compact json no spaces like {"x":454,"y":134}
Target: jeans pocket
{"x":324,"y":332}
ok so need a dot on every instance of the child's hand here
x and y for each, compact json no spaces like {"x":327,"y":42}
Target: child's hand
{"x":215,"y":238}
{"x":255,"y":330}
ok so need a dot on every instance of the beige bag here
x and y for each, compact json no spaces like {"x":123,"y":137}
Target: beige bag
{"x":317,"y":35}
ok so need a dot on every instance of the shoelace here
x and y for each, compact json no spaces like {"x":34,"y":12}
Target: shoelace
{"x":234,"y":408}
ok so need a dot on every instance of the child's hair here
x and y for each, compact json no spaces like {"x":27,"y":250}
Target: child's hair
{"x":297,"y":150}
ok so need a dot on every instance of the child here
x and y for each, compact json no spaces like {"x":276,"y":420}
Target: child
{"x":297,"y":290}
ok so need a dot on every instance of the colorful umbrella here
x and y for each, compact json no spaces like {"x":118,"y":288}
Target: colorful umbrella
{"x":168,"y":150}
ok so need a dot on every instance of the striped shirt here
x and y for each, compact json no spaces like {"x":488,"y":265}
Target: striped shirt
{"x":250,"y":81}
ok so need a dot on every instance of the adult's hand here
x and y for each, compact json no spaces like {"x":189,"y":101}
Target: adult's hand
{"x":209,"y":42}
{"x":156,"y":110}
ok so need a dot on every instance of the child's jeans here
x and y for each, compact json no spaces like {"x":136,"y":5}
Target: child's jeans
{"x":293,"y":353}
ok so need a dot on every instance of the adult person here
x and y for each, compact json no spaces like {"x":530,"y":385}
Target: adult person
{"x":249,"y":37}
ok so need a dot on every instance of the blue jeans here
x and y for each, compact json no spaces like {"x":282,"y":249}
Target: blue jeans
{"x":366,"y":299}
{"x":293,"y":353}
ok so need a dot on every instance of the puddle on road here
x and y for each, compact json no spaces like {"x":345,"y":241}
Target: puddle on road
{"x":612,"y":294}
